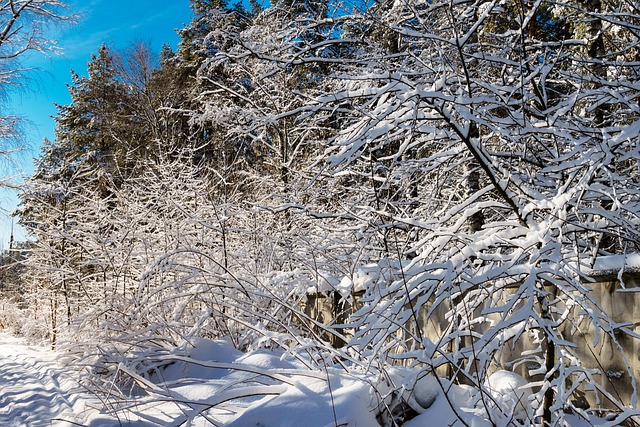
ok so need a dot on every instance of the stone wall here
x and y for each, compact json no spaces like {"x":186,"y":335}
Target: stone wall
{"x":604,"y":353}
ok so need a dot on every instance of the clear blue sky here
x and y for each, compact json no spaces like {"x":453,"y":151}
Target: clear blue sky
{"x":115,"y":22}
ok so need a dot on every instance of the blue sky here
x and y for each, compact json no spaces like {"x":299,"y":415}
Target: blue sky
{"x":115,"y":22}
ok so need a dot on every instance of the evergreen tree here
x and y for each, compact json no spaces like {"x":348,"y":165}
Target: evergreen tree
{"x":194,"y":47}
{"x":97,"y":127}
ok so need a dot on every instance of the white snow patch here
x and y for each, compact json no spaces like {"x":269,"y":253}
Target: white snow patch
{"x":510,"y":390}
{"x":36,"y":390}
{"x":260,"y":388}
{"x":612,"y":264}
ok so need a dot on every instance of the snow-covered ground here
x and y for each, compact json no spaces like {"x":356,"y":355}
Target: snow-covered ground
{"x":216,"y":385}
{"x":35,"y":389}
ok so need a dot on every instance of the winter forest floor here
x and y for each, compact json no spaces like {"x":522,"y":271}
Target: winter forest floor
{"x":35,"y":389}
{"x":262,"y":388}
{"x":38,"y":389}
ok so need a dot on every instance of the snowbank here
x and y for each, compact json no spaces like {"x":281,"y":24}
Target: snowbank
{"x":215,"y":384}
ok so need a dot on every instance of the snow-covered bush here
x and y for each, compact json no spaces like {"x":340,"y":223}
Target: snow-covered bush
{"x":25,"y":318}
{"x":464,"y":171}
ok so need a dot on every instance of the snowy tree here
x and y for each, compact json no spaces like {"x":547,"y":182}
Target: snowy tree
{"x":437,"y":98}
{"x":475,"y":166}
{"x":463,"y":165}
{"x":57,"y":212}
{"x":98,"y":126}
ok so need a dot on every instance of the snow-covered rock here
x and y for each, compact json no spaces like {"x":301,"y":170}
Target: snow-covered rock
{"x":510,"y":391}
{"x":424,"y":393}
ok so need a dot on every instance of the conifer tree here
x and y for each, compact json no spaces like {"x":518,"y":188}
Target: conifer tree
{"x":93,"y":128}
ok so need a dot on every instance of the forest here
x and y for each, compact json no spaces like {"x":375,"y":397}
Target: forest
{"x":393,"y":192}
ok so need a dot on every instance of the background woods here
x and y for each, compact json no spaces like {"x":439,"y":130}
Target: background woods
{"x":453,"y":176}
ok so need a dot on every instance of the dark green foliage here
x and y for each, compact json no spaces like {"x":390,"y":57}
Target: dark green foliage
{"x":12,"y":268}
{"x":311,"y":8}
{"x":544,"y":26}
{"x":255,"y":7}
{"x":100,"y":126}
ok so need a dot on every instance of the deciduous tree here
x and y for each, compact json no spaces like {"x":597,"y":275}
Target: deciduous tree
{"x":24,"y":26}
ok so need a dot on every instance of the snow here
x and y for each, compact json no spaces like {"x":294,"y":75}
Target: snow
{"x":215,"y":384}
{"x":216,"y":380}
{"x":510,"y":390}
{"x":451,"y":410}
{"x":425,"y":392}
{"x":613,"y":264}
{"x":312,"y":403}
{"x":35,"y":389}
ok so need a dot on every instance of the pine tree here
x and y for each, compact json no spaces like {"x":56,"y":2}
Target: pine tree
{"x":194,"y":46}
{"x":96,"y":128}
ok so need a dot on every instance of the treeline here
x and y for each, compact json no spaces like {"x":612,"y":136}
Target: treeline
{"x":460,"y":159}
